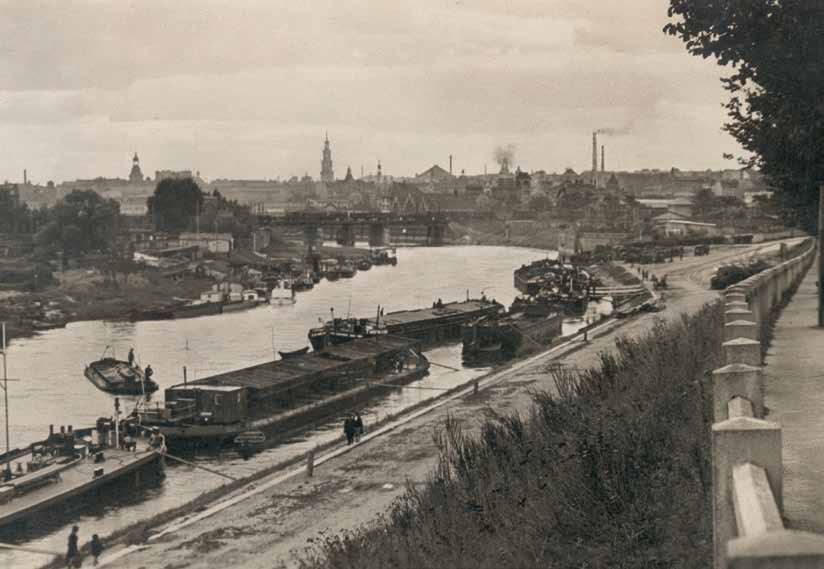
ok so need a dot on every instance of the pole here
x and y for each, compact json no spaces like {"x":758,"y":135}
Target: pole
{"x":6,"y":402}
{"x":820,"y":282}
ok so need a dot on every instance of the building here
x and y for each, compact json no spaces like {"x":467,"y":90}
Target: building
{"x":327,"y":173}
{"x":212,"y":242}
{"x":136,"y":175}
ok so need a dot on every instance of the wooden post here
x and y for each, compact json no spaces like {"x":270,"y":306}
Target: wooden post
{"x":821,"y":256}
{"x":310,"y":463}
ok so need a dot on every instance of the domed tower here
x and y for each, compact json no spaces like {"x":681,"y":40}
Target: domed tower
{"x":135,"y":176}
{"x":327,"y":174}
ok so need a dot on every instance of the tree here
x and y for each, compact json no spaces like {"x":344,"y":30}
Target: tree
{"x":14,"y":215}
{"x":776,"y":104}
{"x":81,"y":222}
{"x":175,"y":204}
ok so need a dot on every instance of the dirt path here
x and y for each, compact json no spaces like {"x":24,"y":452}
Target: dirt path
{"x":357,"y":487}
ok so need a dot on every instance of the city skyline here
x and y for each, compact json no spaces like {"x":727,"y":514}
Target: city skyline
{"x":256,"y":87}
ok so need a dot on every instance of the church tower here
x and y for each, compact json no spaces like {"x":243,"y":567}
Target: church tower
{"x":326,"y":172}
{"x":135,"y":176}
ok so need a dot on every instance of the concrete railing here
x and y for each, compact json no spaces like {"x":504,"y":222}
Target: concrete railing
{"x":747,"y":472}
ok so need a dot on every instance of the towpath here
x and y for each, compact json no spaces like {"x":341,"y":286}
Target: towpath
{"x":794,"y":379}
{"x":283,"y":515}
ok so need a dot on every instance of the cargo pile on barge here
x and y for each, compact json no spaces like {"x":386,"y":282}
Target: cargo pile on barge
{"x":562,"y":286}
{"x":284,"y":393}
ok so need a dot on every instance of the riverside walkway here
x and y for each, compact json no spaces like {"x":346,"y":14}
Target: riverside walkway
{"x":794,"y":397}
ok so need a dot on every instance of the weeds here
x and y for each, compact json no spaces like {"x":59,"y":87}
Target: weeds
{"x":611,"y":469}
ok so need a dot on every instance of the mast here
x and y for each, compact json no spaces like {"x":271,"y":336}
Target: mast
{"x":6,"y":401}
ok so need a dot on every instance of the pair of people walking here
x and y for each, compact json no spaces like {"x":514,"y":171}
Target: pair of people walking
{"x":353,"y":428}
{"x":73,"y":558}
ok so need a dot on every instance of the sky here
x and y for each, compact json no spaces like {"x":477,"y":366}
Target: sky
{"x":248,"y":89}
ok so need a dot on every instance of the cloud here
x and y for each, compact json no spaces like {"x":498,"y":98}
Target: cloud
{"x":233,"y":81}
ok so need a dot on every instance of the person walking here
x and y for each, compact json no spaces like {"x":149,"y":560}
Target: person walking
{"x":96,"y":547}
{"x":349,"y":429}
{"x":358,"y":423}
{"x":131,"y":357}
{"x":72,"y":551}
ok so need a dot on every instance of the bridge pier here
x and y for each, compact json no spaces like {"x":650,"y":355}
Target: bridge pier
{"x":346,"y":235}
{"x":435,"y":234}
{"x":378,"y":235}
{"x":311,"y":234}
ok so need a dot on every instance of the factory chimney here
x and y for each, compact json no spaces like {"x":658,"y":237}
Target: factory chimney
{"x":603,"y":166}
{"x":594,"y":153}
{"x":450,"y":164}
{"x":25,"y":177}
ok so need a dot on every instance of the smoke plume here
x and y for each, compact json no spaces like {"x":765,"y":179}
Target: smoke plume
{"x":504,"y":154}
{"x":610,"y":131}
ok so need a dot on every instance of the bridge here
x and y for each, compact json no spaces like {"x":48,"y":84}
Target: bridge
{"x":378,"y":228}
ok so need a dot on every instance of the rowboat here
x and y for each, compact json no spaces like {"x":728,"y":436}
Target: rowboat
{"x":118,"y":377}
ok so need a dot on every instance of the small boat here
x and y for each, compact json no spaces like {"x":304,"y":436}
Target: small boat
{"x":48,"y":324}
{"x":249,"y":442}
{"x":196,"y":309}
{"x":118,"y":377}
{"x":347,"y":270}
{"x":293,"y":353}
{"x":282,"y":292}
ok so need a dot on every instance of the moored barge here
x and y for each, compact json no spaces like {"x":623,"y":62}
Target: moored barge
{"x":441,"y":323}
{"x":70,"y":464}
{"x":283,"y":394}
{"x":512,"y":335}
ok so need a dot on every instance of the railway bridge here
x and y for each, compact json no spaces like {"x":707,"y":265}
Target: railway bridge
{"x":378,"y":228}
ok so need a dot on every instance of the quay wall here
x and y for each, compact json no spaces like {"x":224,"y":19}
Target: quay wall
{"x":747,"y":470}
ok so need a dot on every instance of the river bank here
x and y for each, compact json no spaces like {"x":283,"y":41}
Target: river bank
{"x":78,"y":295}
{"x":358,"y":487}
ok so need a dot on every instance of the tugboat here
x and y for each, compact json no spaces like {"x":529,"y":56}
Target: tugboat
{"x":119,"y":378}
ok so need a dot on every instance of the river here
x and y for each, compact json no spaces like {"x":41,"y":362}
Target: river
{"x":50,"y":388}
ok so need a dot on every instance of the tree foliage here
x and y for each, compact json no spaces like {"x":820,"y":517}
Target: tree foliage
{"x":81,"y":222}
{"x":175,"y":204}
{"x":776,"y":85}
{"x":14,"y":214}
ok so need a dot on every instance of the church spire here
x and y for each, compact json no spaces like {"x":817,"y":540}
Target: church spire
{"x":327,"y":174}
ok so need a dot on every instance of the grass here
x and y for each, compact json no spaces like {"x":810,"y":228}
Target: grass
{"x":610,"y":470}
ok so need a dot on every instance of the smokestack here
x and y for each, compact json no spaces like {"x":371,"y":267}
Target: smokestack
{"x":603,"y":166}
{"x":594,"y":153}
{"x":25,"y":177}
{"x":450,"y":164}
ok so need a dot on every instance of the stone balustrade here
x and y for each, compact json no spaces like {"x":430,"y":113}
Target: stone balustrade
{"x":747,"y":471}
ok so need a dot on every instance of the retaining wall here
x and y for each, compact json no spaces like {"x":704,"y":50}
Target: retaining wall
{"x":747,"y":472}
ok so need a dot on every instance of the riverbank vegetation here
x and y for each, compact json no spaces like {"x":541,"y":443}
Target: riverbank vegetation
{"x":610,"y":470}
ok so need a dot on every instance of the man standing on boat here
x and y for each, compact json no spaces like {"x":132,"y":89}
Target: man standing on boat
{"x":73,"y":553}
{"x":148,"y":373}
{"x":131,"y":357}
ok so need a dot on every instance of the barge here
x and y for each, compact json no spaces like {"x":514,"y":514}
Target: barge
{"x":441,"y":323}
{"x":70,"y":464}
{"x":283,"y":394}
{"x":512,"y":335}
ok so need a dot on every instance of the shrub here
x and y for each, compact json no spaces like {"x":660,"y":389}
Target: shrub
{"x":611,"y":469}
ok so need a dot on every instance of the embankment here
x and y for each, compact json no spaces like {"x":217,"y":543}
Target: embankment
{"x":613,"y":470}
